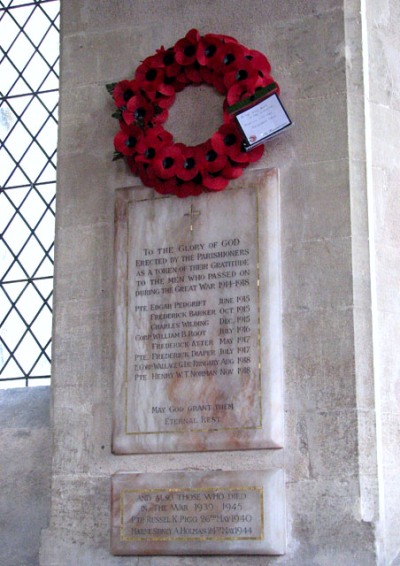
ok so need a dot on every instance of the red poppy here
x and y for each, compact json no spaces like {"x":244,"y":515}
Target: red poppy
{"x":246,"y":74}
{"x":214,"y":79}
{"x":165,"y":186}
{"x":208,"y":50}
{"x":255,"y":154}
{"x":210,"y":160}
{"x":127,"y":139}
{"x":182,"y":79}
{"x":243,"y":72}
{"x":181,"y":82}
{"x":162,"y":135}
{"x":151,"y":143}
{"x":233,"y":170}
{"x":138,"y":111}
{"x":245,"y":89}
{"x":259,"y":61}
{"x":227,"y":141}
{"x":192,"y":162}
{"x":164,"y":101}
{"x":224,"y":38}
{"x":166,"y":58}
{"x":160,"y":115}
{"x":228,"y":56}
{"x":188,"y":189}
{"x":193,"y":73}
{"x":177,"y":187}
{"x":133,"y":165}
{"x":147,"y":175}
{"x":244,"y":157}
{"x":228,"y":117}
{"x":167,"y":161}
{"x":153,"y":60}
{"x":166,"y":91}
{"x":162,"y":186}
{"x":123,"y":91}
{"x":214,"y":181}
{"x":151,"y":78}
{"x":207,"y":75}
{"x":185,"y":49}
{"x":156,"y":60}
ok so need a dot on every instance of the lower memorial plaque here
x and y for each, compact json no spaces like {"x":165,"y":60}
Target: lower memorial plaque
{"x":198,"y":513}
{"x":198,"y":319}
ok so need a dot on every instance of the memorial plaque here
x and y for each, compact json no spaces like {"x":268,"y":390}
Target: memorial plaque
{"x":198,"y":320}
{"x":198,"y":513}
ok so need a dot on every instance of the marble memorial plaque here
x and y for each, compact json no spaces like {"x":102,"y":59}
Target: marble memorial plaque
{"x":198,"y":513}
{"x":198,"y":320}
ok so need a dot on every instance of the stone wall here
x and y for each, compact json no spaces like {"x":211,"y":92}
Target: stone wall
{"x":383,"y":145}
{"x":25,"y":464}
{"x":330,"y":447}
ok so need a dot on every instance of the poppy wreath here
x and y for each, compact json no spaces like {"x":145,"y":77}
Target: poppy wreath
{"x":235,"y":71}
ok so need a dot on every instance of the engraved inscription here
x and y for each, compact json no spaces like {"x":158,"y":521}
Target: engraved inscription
{"x":186,"y":326}
{"x":217,"y":513}
{"x":196,"y":513}
{"x":195,"y":349}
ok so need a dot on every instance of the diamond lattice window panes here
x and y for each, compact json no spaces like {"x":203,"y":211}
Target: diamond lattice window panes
{"x":29,"y":60}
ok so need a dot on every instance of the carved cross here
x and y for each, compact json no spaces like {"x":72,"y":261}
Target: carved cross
{"x":192,"y":213}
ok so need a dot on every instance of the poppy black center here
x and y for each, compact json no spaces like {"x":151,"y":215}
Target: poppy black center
{"x":131,"y":141}
{"x":150,"y":153}
{"x":128,"y":94}
{"x":229,"y":58}
{"x":229,"y":139}
{"x":168,"y":162}
{"x":151,"y":75}
{"x":189,"y":163}
{"x":241,"y":75}
{"x":210,"y":50}
{"x":198,"y":179}
{"x":140,"y":113}
{"x":157,"y":110}
{"x":211,"y":155}
{"x":189,"y":51}
{"x":168,"y":59}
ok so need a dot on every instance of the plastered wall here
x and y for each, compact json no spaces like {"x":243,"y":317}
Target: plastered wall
{"x":330,"y":455}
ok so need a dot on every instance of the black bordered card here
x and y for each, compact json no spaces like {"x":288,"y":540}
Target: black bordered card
{"x":259,"y":119}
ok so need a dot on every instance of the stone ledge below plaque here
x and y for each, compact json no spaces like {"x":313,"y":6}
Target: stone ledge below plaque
{"x":192,"y":513}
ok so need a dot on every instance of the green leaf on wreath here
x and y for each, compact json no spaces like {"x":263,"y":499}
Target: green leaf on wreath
{"x":110,"y":88}
{"x":117,"y":155}
{"x":117,"y":114}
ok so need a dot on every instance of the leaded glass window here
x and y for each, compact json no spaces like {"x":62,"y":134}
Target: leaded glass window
{"x":29,"y":74}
